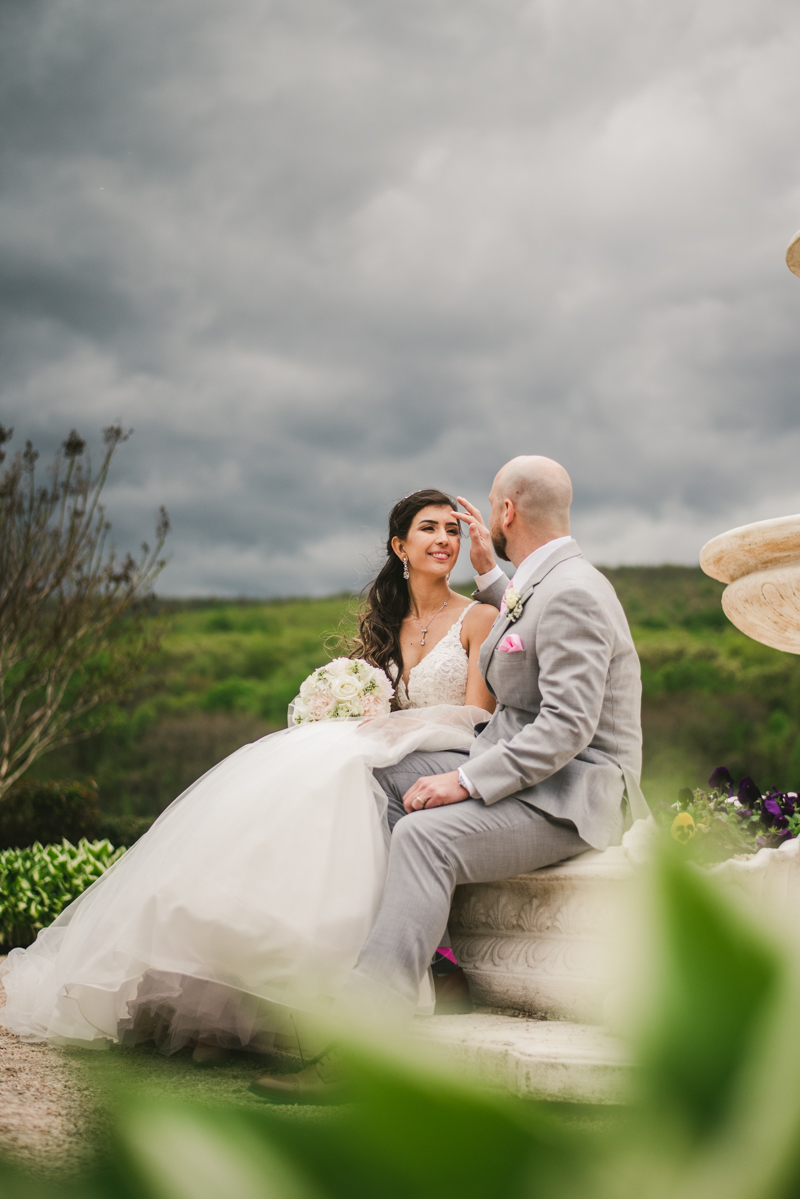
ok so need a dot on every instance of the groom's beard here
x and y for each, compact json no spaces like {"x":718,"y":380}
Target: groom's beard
{"x":500,"y":545}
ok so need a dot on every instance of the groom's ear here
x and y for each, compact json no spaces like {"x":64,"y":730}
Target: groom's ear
{"x":509,"y":513}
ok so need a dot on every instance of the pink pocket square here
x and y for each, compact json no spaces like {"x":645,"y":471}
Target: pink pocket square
{"x":511,"y":644}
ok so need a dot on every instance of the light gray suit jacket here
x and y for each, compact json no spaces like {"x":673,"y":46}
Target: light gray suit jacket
{"x":566,"y":736}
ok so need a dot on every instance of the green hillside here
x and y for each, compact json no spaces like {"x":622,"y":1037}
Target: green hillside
{"x":227,"y":671}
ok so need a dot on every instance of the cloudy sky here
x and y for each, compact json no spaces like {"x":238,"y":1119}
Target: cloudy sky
{"x":319,"y":253}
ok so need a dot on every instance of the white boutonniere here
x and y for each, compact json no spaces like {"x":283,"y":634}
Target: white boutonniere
{"x":513,"y":603}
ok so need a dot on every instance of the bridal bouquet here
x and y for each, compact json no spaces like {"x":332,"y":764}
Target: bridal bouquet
{"x":345,"y":687}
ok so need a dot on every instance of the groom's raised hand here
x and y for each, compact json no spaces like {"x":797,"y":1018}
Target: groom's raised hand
{"x":434,"y":791}
{"x":481,"y":550}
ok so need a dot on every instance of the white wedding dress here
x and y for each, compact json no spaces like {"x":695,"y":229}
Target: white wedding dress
{"x":248,"y":900}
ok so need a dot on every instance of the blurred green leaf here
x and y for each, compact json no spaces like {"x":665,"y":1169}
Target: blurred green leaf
{"x":418,"y":1133}
{"x":717,"y":982}
{"x":186,"y":1151}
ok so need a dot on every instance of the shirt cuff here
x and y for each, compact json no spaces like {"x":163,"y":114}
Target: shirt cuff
{"x":467,"y":785}
{"x":491,"y":576}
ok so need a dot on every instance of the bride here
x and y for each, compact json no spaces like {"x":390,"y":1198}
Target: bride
{"x":247,"y":902}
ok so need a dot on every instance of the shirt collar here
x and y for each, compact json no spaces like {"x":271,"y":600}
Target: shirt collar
{"x":529,"y":565}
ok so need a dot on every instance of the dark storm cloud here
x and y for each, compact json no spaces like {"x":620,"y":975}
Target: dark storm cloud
{"x":320,"y":254}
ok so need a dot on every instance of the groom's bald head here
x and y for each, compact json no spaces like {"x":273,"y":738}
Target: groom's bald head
{"x":540,"y":490}
{"x":530,"y":498}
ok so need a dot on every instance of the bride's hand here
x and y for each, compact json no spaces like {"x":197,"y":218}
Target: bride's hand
{"x":481,"y":552}
{"x":434,"y":791}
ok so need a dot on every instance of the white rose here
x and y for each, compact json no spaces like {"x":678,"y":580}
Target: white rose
{"x":338,"y":666}
{"x":345,"y":687}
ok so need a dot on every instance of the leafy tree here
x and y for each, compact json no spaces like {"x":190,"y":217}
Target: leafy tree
{"x":72,"y":613}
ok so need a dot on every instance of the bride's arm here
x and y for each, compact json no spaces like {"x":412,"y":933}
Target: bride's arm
{"x":474,"y":632}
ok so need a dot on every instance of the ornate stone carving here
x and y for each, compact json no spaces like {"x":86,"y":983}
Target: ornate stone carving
{"x":543,"y":943}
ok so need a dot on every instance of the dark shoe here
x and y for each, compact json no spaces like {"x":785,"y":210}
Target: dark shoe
{"x":319,"y":1083}
{"x":452,"y":994}
{"x":210,"y":1055}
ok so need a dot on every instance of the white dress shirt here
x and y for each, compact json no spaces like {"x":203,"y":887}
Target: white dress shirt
{"x":526,"y":569}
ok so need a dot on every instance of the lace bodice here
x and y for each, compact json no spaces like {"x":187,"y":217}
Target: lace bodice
{"x":441,"y":676}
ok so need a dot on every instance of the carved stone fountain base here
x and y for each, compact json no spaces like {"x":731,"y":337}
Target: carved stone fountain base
{"x":543,"y":944}
{"x":543,"y":953}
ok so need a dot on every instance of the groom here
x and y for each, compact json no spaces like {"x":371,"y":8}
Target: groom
{"x":544,"y":779}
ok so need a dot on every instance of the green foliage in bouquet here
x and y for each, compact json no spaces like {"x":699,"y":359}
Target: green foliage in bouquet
{"x":714,"y":1106}
{"x":37,"y":883}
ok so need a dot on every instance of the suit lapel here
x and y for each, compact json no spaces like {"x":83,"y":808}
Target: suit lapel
{"x":504,"y":621}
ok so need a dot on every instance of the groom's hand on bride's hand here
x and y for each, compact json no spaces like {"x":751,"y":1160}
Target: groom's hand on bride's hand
{"x":481,"y":550}
{"x":434,"y":791}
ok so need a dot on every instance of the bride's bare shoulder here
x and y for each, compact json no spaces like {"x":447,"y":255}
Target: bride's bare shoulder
{"x":477,"y":623}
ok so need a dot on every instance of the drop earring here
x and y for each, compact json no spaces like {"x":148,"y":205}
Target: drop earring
{"x":447,"y":580}
{"x":405,"y":568}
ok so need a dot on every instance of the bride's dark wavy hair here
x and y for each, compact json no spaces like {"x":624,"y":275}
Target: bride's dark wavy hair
{"x":386,"y":603}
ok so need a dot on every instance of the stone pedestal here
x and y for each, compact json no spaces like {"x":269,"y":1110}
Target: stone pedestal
{"x":761,"y":565}
{"x":544,"y":944}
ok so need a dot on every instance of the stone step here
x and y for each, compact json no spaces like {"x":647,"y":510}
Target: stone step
{"x":534,"y":1059}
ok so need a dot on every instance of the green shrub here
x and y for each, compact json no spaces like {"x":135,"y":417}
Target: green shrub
{"x":123,"y":830}
{"x":48,"y":810}
{"x":36,"y":884}
{"x":233,"y":695}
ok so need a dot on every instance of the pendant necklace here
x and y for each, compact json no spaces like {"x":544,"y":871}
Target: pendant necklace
{"x":430,"y":621}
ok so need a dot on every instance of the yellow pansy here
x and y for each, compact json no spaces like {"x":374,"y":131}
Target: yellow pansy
{"x":683,"y":828}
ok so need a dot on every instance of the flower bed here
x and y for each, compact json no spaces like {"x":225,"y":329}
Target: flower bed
{"x":37,"y":883}
{"x":729,"y":819}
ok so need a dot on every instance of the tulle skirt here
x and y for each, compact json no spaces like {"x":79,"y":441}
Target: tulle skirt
{"x":245,"y":905}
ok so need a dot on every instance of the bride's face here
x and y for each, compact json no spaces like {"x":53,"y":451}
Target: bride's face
{"x":431,"y":544}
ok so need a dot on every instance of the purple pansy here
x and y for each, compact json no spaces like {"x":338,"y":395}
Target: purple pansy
{"x":748,"y":793}
{"x":771,"y":814}
{"x":721,"y":780}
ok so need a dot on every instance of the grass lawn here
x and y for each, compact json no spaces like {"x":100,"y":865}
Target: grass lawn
{"x":143,"y":1068}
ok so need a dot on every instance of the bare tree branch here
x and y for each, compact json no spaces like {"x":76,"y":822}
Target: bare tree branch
{"x":73,"y":627}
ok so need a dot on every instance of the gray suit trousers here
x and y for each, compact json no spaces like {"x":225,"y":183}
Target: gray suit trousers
{"x":431,"y":853}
